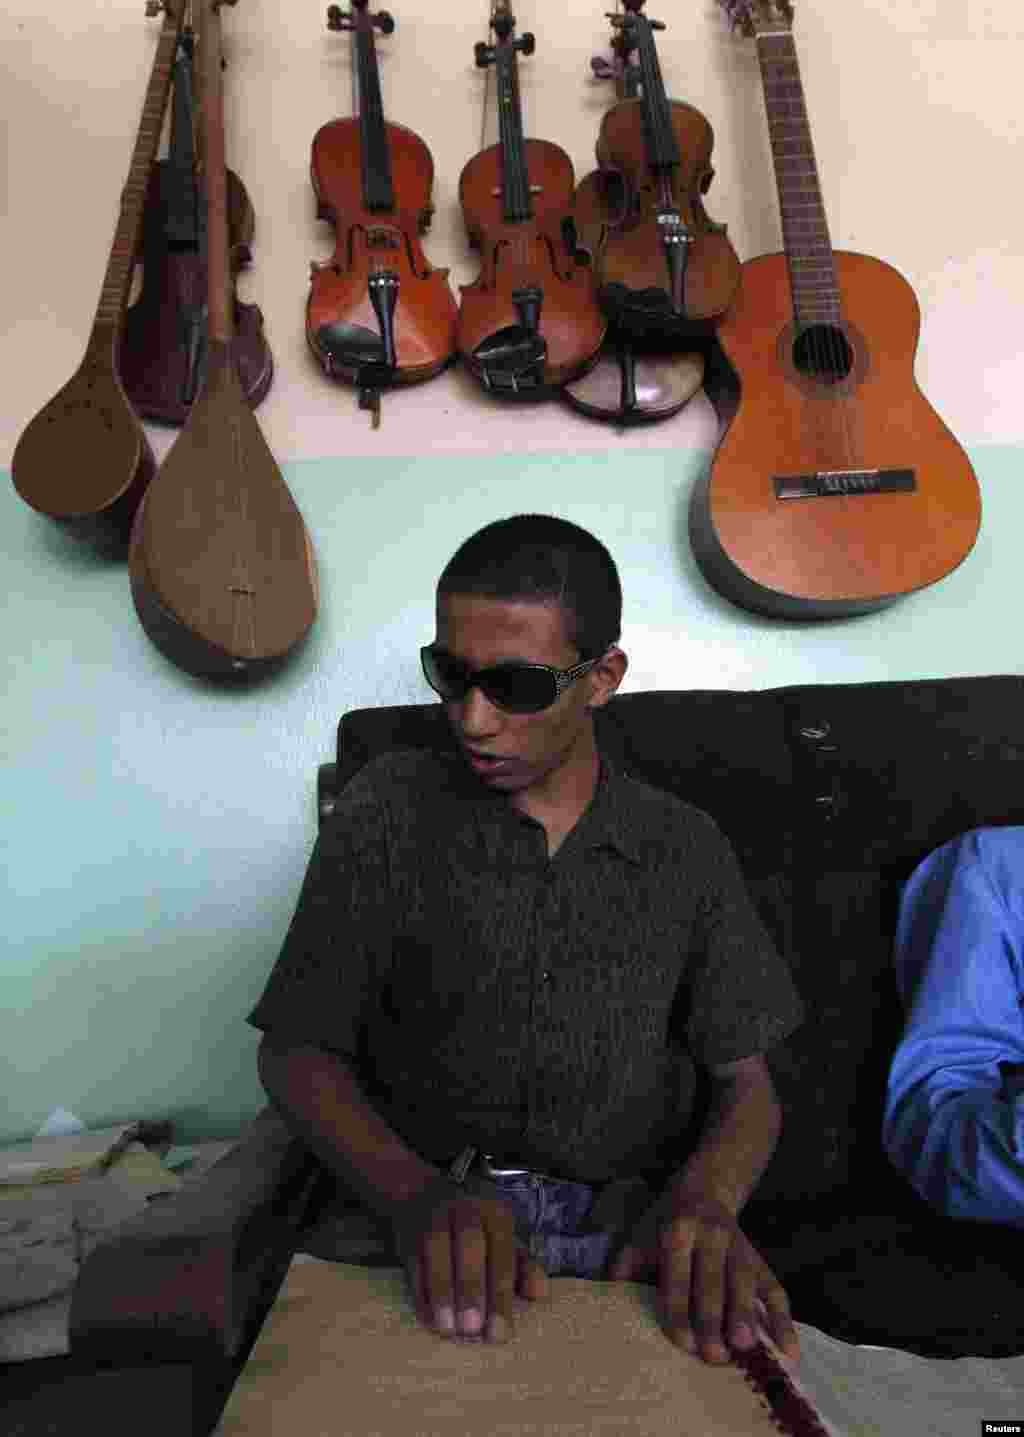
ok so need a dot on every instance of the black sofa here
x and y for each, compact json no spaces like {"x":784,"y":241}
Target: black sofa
{"x":830,"y":795}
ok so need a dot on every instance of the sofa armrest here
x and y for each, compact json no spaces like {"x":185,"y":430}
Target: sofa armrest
{"x":180,"y":1281}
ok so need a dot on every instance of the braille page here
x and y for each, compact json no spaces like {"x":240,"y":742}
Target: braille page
{"x":342,"y":1352}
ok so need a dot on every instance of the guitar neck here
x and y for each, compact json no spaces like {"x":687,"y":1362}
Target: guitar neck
{"x":220,"y":283}
{"x":117,"y":281}
{"x":804,"y":226}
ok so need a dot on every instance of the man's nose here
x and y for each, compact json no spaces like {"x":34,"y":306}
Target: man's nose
{"x":477,"y":715}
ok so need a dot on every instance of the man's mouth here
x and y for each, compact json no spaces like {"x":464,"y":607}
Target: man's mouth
{"x":487,"y":762}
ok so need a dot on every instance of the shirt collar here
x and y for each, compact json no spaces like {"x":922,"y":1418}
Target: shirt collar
{"x":609,"y":821}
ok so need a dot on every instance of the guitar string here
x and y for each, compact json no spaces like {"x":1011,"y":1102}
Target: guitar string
{"x":826,"y":353}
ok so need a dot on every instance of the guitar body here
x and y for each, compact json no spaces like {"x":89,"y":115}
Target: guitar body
{"x":222,"y":570}
{"x":849,"y":550}
{"x":84,"y":459}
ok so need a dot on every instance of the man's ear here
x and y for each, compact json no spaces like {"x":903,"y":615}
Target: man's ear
{"x":606,"y":677}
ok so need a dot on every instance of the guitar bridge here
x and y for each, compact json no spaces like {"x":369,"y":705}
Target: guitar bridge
{"x":837,"y":483}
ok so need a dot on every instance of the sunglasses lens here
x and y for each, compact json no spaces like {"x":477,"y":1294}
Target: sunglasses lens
{"x":446,"y":676}
{"x":517,"y":690}
{"x":522,"y":691}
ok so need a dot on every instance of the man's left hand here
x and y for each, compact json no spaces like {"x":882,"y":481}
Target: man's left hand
{"x":714,"y":1287}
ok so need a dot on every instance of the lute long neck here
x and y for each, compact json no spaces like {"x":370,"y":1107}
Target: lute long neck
{"x":378,"y":191}
{"x":117,"y":280}
{"x":221,"y":312}
{"x":812,"y":273}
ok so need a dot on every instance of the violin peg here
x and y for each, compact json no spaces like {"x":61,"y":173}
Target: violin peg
{"x":384,"y":21}
{"x":154,"y":7}
{"x":337,"y":19}
{"x":526,"y":44}
{"x":601,"y":69}
{"x":484,"y":54}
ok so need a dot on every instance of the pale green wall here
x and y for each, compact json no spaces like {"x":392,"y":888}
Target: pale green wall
{"x":156,"y":832}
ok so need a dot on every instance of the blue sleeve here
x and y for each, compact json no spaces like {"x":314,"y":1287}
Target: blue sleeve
{"x":954,"y":1117}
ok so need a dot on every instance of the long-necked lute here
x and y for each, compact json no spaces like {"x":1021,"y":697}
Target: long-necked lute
{"x":84,"y":459}
{"x":836,"y":488}
{"x":222,"y":568}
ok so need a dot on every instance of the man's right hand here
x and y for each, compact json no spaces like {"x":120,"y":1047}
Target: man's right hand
{"x":464,"y":1262}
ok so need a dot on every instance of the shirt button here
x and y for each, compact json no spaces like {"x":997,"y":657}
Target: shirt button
{"x":546,"y":975}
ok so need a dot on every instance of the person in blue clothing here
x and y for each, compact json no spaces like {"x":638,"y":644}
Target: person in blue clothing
{"x":954,"y":1110}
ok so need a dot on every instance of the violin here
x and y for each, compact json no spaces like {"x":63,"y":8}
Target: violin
{"x":664,"y":268}
{"x":222,"y":570}
{"x":84,"y":460}
{"x":163,"y":345}
{"x":531,"y":321}
{"x":628,"y":384}
{"x":378,"y":314}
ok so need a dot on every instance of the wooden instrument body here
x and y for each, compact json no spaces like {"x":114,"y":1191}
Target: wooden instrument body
{"x":846,"y":553}
{"x":631,"y":253}
{"x":426,"y":312}
{"x":153,"y":359}
{"x":639,"y":382}
{"x":222,"y":571}
{"x":539,"y":251}
{"x":84,"y":460}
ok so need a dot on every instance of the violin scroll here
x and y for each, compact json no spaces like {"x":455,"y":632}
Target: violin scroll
{"x":485,"y":54}
{"x":337,"y":19}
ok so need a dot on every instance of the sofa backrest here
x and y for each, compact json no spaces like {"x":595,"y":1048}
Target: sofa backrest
{"x":830,"y":795}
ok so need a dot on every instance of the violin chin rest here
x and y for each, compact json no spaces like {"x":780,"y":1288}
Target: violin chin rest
{"x":349,"y":346}
{"x":513,"y":354}
{"x":617,"y":299}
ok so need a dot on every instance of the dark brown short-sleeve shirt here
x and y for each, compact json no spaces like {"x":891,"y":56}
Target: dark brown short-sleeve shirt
{"x":553,"y":1010}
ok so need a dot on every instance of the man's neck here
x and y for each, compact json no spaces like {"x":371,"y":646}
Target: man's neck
{"x":559,"y":804}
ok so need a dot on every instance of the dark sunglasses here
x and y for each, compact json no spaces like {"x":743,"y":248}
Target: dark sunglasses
{"x":517,"y":688}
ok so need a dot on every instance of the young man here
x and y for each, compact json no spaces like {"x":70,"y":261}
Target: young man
{"x":509,"y":968}
{"x":954,"y":1112}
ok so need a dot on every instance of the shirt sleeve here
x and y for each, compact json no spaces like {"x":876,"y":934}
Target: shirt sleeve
{"x":954,"y":1111}
{"x":325,"y":976}
{"x":744,"y":1000}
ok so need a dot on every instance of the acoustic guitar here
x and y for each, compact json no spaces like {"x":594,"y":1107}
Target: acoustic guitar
{"x":222,"y":570}
{"x":84,"y":459}
{"x":836,"y":488}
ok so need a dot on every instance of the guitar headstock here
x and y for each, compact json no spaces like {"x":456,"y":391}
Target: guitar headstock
{"x":759,"y":17}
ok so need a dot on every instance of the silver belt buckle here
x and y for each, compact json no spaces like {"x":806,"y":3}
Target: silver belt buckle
{"x":487,"y":1163}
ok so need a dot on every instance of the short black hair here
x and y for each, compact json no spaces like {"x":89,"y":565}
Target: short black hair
{"x":541,"y":557}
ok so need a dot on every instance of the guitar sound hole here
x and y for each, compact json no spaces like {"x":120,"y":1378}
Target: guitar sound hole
{"x":823,"y":352}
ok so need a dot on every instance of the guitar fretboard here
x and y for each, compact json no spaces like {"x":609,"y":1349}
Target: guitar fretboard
{"x":804,"y":226}
{"x":117,"y":281}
